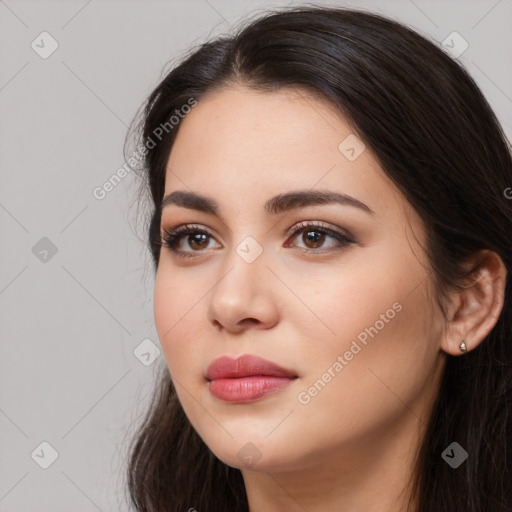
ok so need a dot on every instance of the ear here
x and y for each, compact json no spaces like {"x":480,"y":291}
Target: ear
{"x":473,"y":312}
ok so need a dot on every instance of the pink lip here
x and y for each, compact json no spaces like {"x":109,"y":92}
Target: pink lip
{"x":246,"y":379}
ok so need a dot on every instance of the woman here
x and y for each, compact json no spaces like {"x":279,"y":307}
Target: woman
{"x":332,"y":247}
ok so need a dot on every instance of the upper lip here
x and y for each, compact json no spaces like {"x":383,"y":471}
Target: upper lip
{"x":245,"y":366}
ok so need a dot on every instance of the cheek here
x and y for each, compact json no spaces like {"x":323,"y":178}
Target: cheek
{"x":336,"y":304}
{"x":374,"y":315}
{"x":166,"y":306}
{"x":175,"y":311}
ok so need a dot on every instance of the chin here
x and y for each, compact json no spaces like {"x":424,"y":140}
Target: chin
{"x":246,"y":453}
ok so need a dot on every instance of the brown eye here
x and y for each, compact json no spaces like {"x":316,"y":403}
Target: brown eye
{"x":196,"y":238}
{"x":314,"y":236}
{"x":313,"y":239}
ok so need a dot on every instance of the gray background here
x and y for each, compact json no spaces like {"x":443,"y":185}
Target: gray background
{"x":70,"y":321}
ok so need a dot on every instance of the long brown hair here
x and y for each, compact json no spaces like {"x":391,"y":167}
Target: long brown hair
{"x":437,"y":138}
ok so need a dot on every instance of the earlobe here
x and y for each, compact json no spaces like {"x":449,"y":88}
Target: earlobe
{"x":475,"y":310}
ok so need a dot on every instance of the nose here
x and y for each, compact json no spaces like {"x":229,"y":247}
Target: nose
{"x":243,"y":297}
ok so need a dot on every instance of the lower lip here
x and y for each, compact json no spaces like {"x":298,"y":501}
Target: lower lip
{"x":247,"y":389}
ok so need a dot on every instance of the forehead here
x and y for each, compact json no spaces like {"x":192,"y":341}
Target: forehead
{"x":244,"y":121}
{"x":247,"y":144}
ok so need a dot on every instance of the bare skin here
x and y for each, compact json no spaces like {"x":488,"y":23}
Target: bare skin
{"x":351,"y":444}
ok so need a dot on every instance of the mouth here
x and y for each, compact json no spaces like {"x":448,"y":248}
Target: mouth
{"x":246,"y":379}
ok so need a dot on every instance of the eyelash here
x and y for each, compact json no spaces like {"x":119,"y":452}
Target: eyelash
{"x":171,"y":239}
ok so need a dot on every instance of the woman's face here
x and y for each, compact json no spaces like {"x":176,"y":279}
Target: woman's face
{"x":351,"y":319}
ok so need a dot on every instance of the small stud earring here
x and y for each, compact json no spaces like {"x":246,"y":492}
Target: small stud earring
{"x":463,"y":347}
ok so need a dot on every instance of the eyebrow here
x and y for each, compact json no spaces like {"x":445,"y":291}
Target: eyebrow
{"x":274,"y":206}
